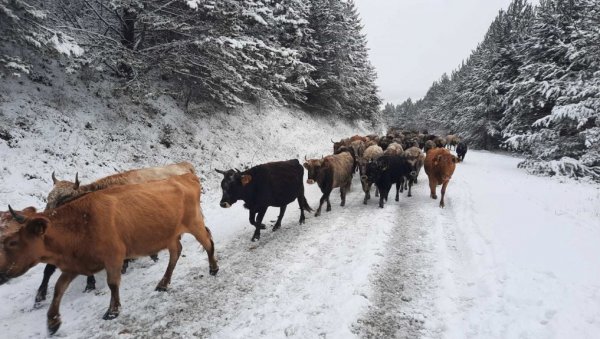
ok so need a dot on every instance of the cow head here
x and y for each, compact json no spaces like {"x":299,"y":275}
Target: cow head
{"x":233,"y":184}
{"x":375,"y":169}
{"x":62,"y":191}
{"x":21,"y":241}
{"x":313,"y":166}
{"x":412,"y":164}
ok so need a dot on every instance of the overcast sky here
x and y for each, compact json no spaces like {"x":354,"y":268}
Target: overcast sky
{"x":412,"y":42}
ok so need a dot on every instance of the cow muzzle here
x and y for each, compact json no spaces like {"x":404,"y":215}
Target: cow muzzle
{"x":225,"y":204}
{"x":310,"y":181}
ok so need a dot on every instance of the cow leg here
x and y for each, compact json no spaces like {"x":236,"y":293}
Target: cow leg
{"x":328,"y":204}
{"x":444,"y":185}
{"x":53,"y":320}
{"x":432,"y":185}
{"x":125,"y":266}
{"x":90,"y":284}
{"x":410,"y":183}
{"x":398,"y":185}
{"x":113,"y":279}
{"x":174,"y":253}
{"x":376,"y":191}
{"x":382,"y":198}
{"x":154,"y":257}
{"x":302,"y":207}
{"x":259,"y":219}
{"x":281,"y":213}
{"x":43,"y":289}
{"x":343,"y":196}
{"x":367,"y":193}
{"x":252,"y":219}
{"x":321,"y":201}
{"x":401,"y":185}
{"x":202,"y":234}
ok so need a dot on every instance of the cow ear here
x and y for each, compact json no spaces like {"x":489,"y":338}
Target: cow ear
{"x":246,"y":179}
{"x":37,"y":226}
{"x":305,"y":165}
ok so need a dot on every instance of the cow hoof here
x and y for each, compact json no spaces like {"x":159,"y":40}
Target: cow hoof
{"x":154,"y":257}
{"x":410,"y":195}
{"x":397,"y":199}
{"x":110,"y":315}
{"x":255,"y":238}
{"x":276,"y":227}
{"x":433,"y":196}
{"x":263,"y":226}
{"x":364,"y":202}
{"x":213,"y":271}
{"x":160,"y":288}
{"x":442,"y":205}
{"x":317,"y":214}
{"x":54,"y":324}
{"x":89,"y":288}
{"x":40,"y":297}
{"x":329,"y":209}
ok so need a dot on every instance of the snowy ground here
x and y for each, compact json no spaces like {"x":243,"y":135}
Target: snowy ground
{"x":512,"y":255}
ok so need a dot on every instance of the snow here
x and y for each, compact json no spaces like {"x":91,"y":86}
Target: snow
{"x":512,"y":255}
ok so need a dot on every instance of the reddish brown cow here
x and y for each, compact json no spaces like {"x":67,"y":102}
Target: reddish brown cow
{"x":100,"y":229}
{"x":439,"y":166}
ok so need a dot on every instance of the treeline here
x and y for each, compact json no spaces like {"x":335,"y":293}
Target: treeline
{"x":311,"y":53}
{"x":532,"y":85}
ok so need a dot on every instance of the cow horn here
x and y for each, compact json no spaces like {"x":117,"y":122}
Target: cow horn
{"x":237,"y":170}
{"x":54,"y":180}
{"x":305,"y":159}
{"x":221,"y":172}
{"x":19,"y":218}
{"x":76,"y":184}
{"x":332,"y":141}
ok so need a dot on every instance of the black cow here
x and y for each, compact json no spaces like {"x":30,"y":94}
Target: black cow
{"x":388,"y":170}
{"x":272,"y":184}
{"x":461,"y":150}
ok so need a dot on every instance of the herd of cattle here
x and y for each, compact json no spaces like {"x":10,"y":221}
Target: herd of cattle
{"x":87,"y":228}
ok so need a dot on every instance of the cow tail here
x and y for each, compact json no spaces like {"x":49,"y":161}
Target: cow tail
{"x":304,"y":204}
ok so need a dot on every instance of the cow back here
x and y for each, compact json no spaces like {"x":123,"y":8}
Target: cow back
{"x":440,"y":164}
{"x":139,"y":217}
{"x":338,"y":168}
{"x":274,"y":184}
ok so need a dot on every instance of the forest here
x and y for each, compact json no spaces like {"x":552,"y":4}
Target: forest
{"x":531,"y":86}
{"x":307,"y":53}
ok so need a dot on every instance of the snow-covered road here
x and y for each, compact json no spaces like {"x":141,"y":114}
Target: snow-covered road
{"x":511,"y":255}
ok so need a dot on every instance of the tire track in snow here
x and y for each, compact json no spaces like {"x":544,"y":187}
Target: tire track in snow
{"x":302,"y":281}
{"x":405,"y":282}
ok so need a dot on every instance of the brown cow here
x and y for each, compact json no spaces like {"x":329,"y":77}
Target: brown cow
{"x":439,"y":166}
{"x":101,"y":229}
{"x":64,"y":191}
{"x":339,"y":144}
{"x":331,"y":172}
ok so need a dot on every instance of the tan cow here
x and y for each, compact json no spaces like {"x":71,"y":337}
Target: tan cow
{"x":101,"y":229}
{"x":64,"y":191}
{"x":331,"y":172}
